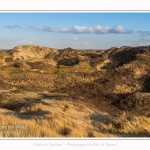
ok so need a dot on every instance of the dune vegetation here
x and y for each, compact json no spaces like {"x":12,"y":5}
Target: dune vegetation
{"x":46,"y":92}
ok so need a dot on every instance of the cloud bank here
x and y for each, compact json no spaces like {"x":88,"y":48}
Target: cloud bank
{"x":144,"y":33}
{"x":84,"y":30}
{"x":12,"y":26}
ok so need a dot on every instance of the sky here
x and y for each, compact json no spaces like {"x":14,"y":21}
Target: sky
{"x":79,"y":30}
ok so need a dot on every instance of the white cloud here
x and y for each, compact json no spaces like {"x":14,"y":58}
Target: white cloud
{"x":81,"y":29}
{"x":119,"y":29}
{"x":84,"y":30}
{"x":101,"y":30}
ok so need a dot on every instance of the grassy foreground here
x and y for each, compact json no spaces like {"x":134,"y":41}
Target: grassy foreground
{"x":46,"y":116}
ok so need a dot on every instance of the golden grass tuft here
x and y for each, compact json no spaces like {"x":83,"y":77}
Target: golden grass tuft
{"x":33,"y":109}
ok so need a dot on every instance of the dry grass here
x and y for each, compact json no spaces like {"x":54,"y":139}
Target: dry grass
{"x":33,"y":109}
{"x":33,"y":129}
{"x":55,"y":125}
{"x":128,"y":126}
{"x":50,"y":117}
{"x":47,"y":117}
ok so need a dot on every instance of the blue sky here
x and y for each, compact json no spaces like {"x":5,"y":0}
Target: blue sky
{"x":81,"y":30}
